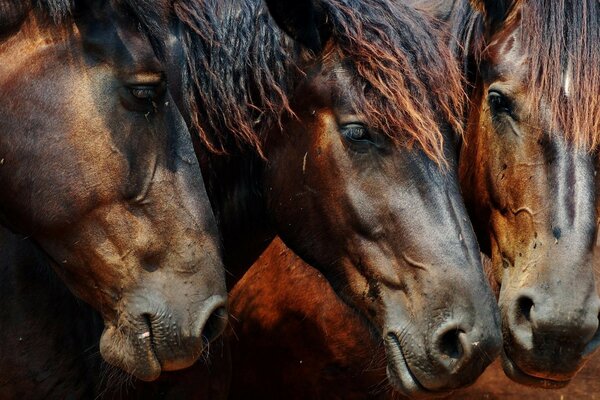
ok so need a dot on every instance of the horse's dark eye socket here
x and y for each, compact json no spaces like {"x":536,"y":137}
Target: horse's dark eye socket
{"x":143,"y":93}
{"x":499,"y":103}
{"x":356,"y":133}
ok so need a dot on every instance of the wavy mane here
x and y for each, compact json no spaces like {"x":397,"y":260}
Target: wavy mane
{"x":240,"y":70}
{"x":412,"y":83}
{"x":13,"y":12}
{"x":561,"y":37}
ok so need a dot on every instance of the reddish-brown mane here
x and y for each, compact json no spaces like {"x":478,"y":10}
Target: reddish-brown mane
{"x":560,"y":37}
{"x":241,"y":70}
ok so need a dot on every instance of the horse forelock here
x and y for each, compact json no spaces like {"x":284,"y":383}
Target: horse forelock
{"x":12,"y":12}
{"x":413,"y":85}
{"x":57,"y":9}
{"x":241,"y":70}
{"x":561,"y":40}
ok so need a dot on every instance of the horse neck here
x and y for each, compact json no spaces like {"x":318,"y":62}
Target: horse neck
{"x":40,"y":312}
{"x":234,"y":182}
{"x":235,"y":188}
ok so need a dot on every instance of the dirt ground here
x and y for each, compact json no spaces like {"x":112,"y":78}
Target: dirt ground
{"x":495,"y":385}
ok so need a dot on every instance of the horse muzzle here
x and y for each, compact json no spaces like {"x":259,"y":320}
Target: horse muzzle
{"x":147,"y":343}
{"x":454,"y":356}
{"x":547,"y":338}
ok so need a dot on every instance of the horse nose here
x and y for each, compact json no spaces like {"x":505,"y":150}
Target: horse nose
{"x":215,"y":323}
{"x":532,"y":316}
{"x":462,"y":352}
{"x":452,"y":348}
{"x":190,"y":333}
{"x":543,"y":328}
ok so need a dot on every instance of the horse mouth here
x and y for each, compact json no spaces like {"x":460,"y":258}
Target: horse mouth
{"x":133,"y":352}
{"x":512,"y":370}
{"x":147,"y":338}
{"x":400,"y":375}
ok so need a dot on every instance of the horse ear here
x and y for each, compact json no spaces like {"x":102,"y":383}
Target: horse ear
{"x":12,"y":13}
{"x":303,"y":20}
{"x":495,"y":11}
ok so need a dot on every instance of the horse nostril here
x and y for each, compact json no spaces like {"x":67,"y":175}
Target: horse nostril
{"x":594,"y":343}
{"x":450,"y":344}
{"x":215,"y":325}
{"x":525,"y":305}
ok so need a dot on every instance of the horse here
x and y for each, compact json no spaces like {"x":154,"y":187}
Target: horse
{"x":584,"y":385}
{"x":107,"y":231}
{"x":487,"y":182}
{"x":293,"y":337}
{"x":528,"y":175}
{"x":340,"y":141}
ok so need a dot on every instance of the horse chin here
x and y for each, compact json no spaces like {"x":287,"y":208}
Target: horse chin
{"x":133,"y":354}
{"x":400,"y":376}
{"x":518,"y":375}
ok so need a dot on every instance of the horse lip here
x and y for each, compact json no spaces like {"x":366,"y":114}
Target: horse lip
{"x":400,"y":375}
{"x":512,"y":370}
{"x":147,"y":339}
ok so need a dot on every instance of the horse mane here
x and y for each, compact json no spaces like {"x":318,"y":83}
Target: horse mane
{"x":241,"y":70}
{"x":238,"y":70}
{"x":560,"y":37}
{"x":57,"y":9}
{"x":14,"y":12}
{"x":412,"y":84}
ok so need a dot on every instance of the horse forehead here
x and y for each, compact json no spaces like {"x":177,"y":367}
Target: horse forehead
{"x":510,"y":57}
{"x":120,"y":39}
{"x":568,"y":78}
{"x":506,"y":53}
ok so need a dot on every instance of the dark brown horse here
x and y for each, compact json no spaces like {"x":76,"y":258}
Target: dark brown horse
{"x":353,"y":114}
{"x":100,"y":183}
{"x":494,"y":385}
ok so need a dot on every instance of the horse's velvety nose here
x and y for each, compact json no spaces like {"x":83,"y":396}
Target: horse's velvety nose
{"x":462,"y":352}
{"x":215,"y":323}
{"x":452,"y":347}
{"x":541,"y":331}
{"x":178,"y":342}
{"x":531,"y":317}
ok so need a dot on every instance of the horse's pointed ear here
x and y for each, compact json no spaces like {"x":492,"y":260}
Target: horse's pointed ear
{"x":495,"y":11}
{"x":303,"y":20}
{"x":12,"y":13}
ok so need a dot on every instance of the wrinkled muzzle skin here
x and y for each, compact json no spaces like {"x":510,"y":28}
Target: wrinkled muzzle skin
{"x":109,"y":187}
{"x":392,"y":237}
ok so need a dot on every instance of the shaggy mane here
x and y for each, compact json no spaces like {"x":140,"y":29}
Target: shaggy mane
{"x":563,"y":37}
{"x":560,"y":37}
{"x":241,"y":70}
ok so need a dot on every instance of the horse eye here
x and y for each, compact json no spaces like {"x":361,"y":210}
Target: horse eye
{"x":356,"y":133}
{"x":499,"y":103}
{"x":143,"y":92}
